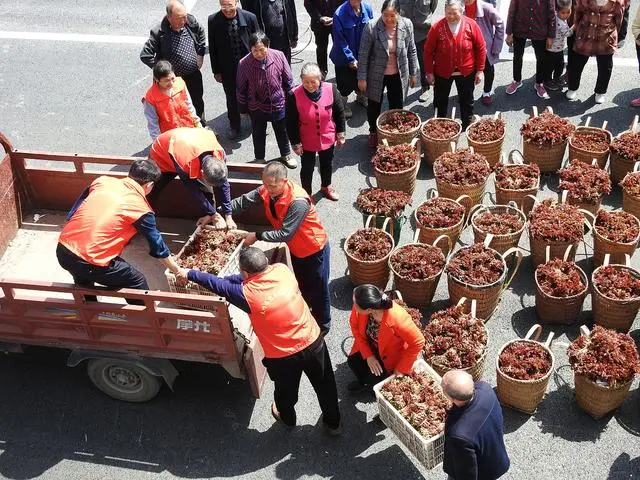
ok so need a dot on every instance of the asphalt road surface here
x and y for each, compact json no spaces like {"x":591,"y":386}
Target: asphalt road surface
{"x":62,"y":88}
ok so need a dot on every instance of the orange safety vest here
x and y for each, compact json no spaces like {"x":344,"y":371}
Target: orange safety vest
{"x":103,"y":224}
{"x":172,"y":110}
{"x":184,"y":145}
{"x":279,"y":315}
{"x":311,"y":237}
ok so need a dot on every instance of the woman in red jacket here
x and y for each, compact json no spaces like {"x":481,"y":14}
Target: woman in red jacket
{"x":455,"y":50}
{"x":386,"y":339}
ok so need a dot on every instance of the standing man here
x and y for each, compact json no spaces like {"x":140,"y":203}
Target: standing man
{"x":473,"y":431}
{"x":290,"y":337}
{"x":293,"y":216}
{"x":195,"y":155}
{"x":279,"y":20}
{"x":420,"y":13}
{"x":100,"y":224}
{"x":229,"y":31}
{"x":180,"y":39}
{"x":321,"y":13}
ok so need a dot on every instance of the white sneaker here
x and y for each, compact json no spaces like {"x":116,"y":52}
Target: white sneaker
{"x":600,"y":98}
{"x":572,"y":94}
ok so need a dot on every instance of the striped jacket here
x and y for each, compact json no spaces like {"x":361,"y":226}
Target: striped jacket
{"x":263,"y":85}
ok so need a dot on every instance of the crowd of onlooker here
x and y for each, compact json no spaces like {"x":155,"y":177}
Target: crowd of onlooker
{"x":250,"y":52}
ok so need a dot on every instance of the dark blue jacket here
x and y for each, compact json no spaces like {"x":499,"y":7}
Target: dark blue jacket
{"x":474,"y":440}
{"x":347,"y":32}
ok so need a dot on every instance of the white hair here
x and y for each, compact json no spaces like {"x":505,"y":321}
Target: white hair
{"x":454,"y":3}
{"x":311,"y":69}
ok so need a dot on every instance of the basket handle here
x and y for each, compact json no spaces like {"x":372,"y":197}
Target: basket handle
{"x":607,"y":258}
{"x":496,"y":115}
{"x":547,"y":253}
{"x":387,"y":222}
{"x":466,"y":197}
{"x":594,"y":162}
{"x":475,"y":209}
{"x":549,"y":109}
{"x":473,"y":307}
{"x":413,"y":143}
{"x":433,"y":193}
{"x":563,"y":196}
{"x":531,"y":197}
{"x":452,"y":146}
{"x":588,"y":121}
{"x":506,"y":254}
{"x":634,"y":125}
{"x":547,"y":343}
{"x":416,"y":235}
{"x":567,"y":252}
{"x":584,"y":331}
{"x":368,"y":222}
{"x":534,"y":110}
{"x":534,"y":333}
{"x":437,"y":240}
{"x":471,"y":148}
{"x":487,"y":240}
{"x":385,"y":142}
{"x":461,"y":301}
{"x":604,"y":125}
{"x":606,"y":165}
{"x":398,"y":295}
{"x":520,"y":160}
{"x":627,"y":260}
{"x":588,"y":216}
{"x":636,"y":167}
{"x":453,"y":114}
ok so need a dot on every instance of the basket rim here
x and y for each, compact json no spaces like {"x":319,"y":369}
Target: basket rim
{"x":536,"y":187}
{"x":490,"y":142}
{"x":500,"y":235}
{"x":479,"y":287}
{"x":416,"y":280}
{"x":415,"y":214}
{"x":526,"y":382}
{"x":619,"y":301}
{"x":379,"y":260}
{"x":602,"y":387}
{"x":600,"y":152}
{"x":630,"y":244}
{"x":424,"y":135}
{"x":401,"y":172}
{"x":544,"y":145}
{"x":571,"y":297}
{"x":394,"y":110}
{"x":457,"y":185}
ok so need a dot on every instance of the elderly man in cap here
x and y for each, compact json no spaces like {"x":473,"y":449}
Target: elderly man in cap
{"x":180,"y":39}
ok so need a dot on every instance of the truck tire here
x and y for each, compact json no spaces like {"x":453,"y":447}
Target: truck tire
{"x":123,"y":380}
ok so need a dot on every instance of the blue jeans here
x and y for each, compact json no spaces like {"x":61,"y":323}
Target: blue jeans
{"x":312,"y":273}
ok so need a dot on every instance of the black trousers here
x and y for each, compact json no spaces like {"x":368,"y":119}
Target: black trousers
{"x":570,"y":53}
{"x":361,"y":370}
{"x":393,"y":85}
{"x":312,"y":274}
{"x":322,"y":34}
{"x":280,"y":42}
{"x":465,"y":87}
{"x":540,"y":50}
{"x":346,"y":80}
{"x":554,"y":66}
{"x":196,"y":90}
{"x":118,"y":274}
{"x":605,"y":67}
{"x":308,"y":164}
{"x":489,"y":76}
{"x":423,"y":75}
{"x":165,"y":179}
{"x":229,"y":86}
{"x":286,"y":372}
{"x":259,"y":122}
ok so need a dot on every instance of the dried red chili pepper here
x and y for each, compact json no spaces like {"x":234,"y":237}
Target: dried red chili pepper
{"x":417,"y":261}
{"x":547,"y":129}
{"x":486,"y":130}
{"x":560,"y":279}
{"x":395,"y":158}
{"x":400,"y":122}
{"x":441,"y":129}
{"x":551,"y":222}
{"x":440,"y":212}
{"x":210,"y":250}
{"x":627,"y":145}
{"x":583,"y":182}
{"x":462,"y":168}
{"x":517,"y":177}
{"x":386,"y":203}
{"x":621,"y":227}
{"x":524,"y":361}
{"x":476,"y":265}
{"x":368,"y":244}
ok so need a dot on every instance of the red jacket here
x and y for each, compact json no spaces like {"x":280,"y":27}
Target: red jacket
{"x":399,"y":340}
{"x":444,"y":53}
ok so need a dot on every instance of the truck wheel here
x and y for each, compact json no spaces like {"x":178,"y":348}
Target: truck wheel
{"x":123,"y":380}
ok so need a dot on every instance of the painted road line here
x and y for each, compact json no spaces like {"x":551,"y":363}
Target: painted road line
{"x":74,"y":37}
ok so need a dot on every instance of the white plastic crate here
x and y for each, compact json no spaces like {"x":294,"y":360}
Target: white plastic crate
{"x":428,"y":451}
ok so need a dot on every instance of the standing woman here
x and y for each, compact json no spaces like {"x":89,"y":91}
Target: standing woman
{"x":315,"y":123}
{"x":349,"y":21}
{"x":167,"y":104}
{"x":385,"y":338}
{"x":388,"y":60}
{"x":492,"y":27}
{"x":264,"y":79}
{"x":598,"y":27}
{"x":455,"y":51}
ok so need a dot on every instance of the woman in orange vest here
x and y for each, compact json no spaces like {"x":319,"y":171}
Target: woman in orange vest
{"x":167,"y":103}
{"x":385,"y":338}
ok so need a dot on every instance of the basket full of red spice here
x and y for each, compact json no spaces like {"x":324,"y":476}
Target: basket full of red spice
{"x":461,"y":173}
{"x":631,"y":191}
{"x":436,"y":135}
{"x":440,"y":216}
{"x":398,"y":126}
{"x":588,"y":143}
{"x":616,"y":295}
{"x":486,"y":136}
{"x":625,"y":152}
{"x":515,"y":182}
{"x":505,"y":222}
{"x":368,"y":250}
{"x":523,"y":369}
{"x":604,"y":363}
{"x":585,"y":184}
{"x":396,"y":166}
{"x":544,"y":139}
{"x":616,"y":233}
{"x":561,"y":287}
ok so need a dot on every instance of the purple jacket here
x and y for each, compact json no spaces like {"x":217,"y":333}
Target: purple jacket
{"x":263,"y":86}
{"x":532,"y":19}
{"x":492,"y":27}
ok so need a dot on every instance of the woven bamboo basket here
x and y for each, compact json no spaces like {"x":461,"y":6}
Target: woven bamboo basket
{"x":491,"y":150}
{"x":375,"y":272}
{"x":418,"y":293}
{"x":489,"y":295}
{"x":596,"y":399}
{"x":524,"y":395}
{"x":428,"y":234}
{"x":592,"y":208}
{"x":619,"y":165}
{"x":476,"y":370}
{"x":505,"y":195}
{"x":403,"y":181}
{"x":588,"y":156}
{"x":548,"y":157}
{"x":610,"y":312}
{"x":616,"y":250}
{"x":434,"y":147}
{"x":396,"y":138}
{"x":560,"y":310}
{"x":631,"y":203}
{"x":500,"y":243}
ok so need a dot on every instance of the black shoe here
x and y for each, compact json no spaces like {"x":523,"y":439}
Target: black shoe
{"x":233,"y":133}
{"x":356,"y":388}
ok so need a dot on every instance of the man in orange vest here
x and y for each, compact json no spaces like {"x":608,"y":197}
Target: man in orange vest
{"x":195,"y":155}
{"x":291,"y":212}
{"x":289,"y":335}
{"x":100,"y":224}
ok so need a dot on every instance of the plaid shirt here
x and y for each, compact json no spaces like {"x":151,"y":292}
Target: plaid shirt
{"x":533,"y":19}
